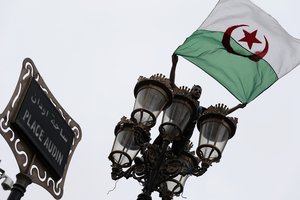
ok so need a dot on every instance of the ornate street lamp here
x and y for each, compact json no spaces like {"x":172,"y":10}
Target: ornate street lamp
{"x":165,"y":164}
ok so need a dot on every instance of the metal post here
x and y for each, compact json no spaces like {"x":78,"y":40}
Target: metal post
{"x":173,"y":69}
{"x":19,"y":188}
{"x":150,"y":184}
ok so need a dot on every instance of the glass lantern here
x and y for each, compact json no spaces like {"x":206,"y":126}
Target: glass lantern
{"x":215,"y":130}
{"x":127,"y":143}
{"x":152,"y":96}
{"x":178,"y":114}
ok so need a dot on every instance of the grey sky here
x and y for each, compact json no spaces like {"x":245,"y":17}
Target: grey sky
{"x":90,"y":54}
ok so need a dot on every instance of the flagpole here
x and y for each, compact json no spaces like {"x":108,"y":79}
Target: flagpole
{"x":241,"y":105}
{"x":173,"y":69}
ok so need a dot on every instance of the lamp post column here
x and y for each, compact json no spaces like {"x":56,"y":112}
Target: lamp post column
{"x":150,"y":185}
{"x":19,"y":188}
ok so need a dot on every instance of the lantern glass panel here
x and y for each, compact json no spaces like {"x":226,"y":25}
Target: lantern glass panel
{"x":176,"y":184}
{"x":214,"y":134}
{"x":125,"y":148}
{"x":149,"y":102}
{"x":176,"y":117}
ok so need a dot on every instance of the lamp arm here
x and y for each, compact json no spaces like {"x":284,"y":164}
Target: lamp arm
{"x":116,"y":173}
{"x":128,"y":173}
{"x":199,"y":171}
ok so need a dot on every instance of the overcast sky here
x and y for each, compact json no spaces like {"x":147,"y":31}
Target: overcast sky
{"x":90,"y":54}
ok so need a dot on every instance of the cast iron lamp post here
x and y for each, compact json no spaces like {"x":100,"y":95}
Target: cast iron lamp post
{"x":164,"y":164}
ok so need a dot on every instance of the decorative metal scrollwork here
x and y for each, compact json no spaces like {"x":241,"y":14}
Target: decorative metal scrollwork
{"x":172,"y":168}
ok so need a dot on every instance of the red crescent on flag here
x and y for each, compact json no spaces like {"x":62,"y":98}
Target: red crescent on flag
{"x":226,"y":43}
{"x":227,"y":36}
{"x":260,"y":54}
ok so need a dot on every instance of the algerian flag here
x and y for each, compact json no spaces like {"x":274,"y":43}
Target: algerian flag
{"x":242,"y":47}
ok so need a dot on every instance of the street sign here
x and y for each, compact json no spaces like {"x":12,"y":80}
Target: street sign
{"x":40,"y":133}
{"x":42,"y":124}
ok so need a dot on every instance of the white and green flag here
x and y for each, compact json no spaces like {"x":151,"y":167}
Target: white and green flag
{"x":242,"y":47}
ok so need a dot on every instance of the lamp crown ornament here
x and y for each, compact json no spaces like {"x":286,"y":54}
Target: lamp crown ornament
{"x":220,"y":109}
{"x":155,"y":79}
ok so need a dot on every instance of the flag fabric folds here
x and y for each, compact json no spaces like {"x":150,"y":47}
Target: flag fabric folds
{"x":242,"y":47}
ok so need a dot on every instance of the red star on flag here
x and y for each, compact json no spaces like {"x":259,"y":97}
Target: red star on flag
{"x":250,"y":38}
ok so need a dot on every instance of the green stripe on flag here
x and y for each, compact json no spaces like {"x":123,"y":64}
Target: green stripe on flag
{"x":244,"y":78}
